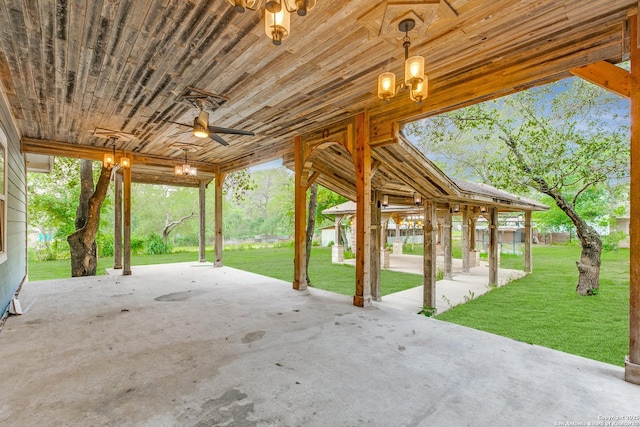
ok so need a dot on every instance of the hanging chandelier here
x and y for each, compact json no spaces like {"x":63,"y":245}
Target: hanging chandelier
{"x":277,"y":19}
{"x":185,"y":169}
{"x":414,"y":78}
{"x":109,"y":159}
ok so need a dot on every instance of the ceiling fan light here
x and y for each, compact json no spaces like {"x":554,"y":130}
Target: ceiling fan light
{"x":414,"y":71}
{"x":200,"y":125}
{"x":386,"y":86}
{"x":276,"y":25}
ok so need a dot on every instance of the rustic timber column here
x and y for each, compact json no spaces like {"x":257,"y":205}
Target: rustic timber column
{"x":219,"y":180}
{"x":430,"y":232}
{"x":493,"y":246}
{"x":117,"y":224}
{"x":528,"y":257}
{"x":362,"y":161}
{"x":446,"y":244}
{"x":375,"y":246}
{"x":472,"y":232}
{"x":202,"y":234}
{"x":300,"y":220}
{"x":465,"y":240}
{"x":632,"y":365}
{"x":127,"y":223}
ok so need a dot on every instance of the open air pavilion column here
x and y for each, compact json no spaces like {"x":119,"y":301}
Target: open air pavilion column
{"x":376,"y":236}
{"x":493,"y":246}
{"x":632,"y":365}
{"x":219,"y":180}
{"x":465,"y":240}
{"x":430,"y":231}
{"x":126,"y":271}
{"x":202,"y":231}
{"x":446,"y":244}
{"x":362,"y":162}
{"x":300,"y":220}
{"x":117,"y":223}
{"x":528,"y":257}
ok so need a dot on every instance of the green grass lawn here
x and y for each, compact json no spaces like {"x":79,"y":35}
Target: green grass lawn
{"x":542,"y":308}
{"x":271,"y":262}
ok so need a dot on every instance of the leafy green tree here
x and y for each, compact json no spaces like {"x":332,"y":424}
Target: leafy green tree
{"x":564,"y":140}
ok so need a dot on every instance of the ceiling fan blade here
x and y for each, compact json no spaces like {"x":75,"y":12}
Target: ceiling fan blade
{"x":178,"y":123}
{"x":218,"y":139}
{"x":175,"y":135}
{"x":216,"y":129}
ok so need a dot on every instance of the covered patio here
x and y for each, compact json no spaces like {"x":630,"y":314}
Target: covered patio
{"x":178,"y":345}
{"x":154,"y":346}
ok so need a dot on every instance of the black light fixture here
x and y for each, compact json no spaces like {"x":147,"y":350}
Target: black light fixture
{"x":483,"y":209}
{"x":385,"y":201}
{"x":185,"y":168}
{"x":417,"y":199}
{"x":109,"y":159}
{"x":455,"y":208}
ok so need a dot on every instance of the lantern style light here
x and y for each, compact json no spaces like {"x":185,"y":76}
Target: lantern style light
{"x":109,"y":160}
{"x":414,"y":71}
{"x":417,"y":198}
{"x":385,"y":201}
{"x":277,"y":25}
{"x":386,"y":86}
{"x":185,"y":169}
{"x":421,"y":90}
{"x":125,"y":162}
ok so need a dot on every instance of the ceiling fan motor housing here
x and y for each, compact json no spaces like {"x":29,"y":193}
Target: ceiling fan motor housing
{"x":201,"y":124}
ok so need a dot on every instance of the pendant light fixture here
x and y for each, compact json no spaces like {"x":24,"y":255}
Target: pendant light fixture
{"x":277,"y":19}
{"x":109,"y":159}
{"x":185,"y":169}
{"x":414,"y":77}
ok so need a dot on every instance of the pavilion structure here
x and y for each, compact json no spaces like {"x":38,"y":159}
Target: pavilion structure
{"x":85,"y":79}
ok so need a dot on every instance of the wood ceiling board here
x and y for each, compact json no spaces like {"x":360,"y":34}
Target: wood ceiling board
{"x":115,"y":62}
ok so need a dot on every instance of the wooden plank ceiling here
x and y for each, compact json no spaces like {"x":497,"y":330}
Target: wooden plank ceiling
{"x":68,"y":67}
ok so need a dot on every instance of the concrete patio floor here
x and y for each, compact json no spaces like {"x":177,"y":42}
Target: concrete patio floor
{"x":449,"y":293}
{"x":177,"y":345}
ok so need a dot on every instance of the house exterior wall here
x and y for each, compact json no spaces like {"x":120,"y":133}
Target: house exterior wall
{"x":13,"y":263}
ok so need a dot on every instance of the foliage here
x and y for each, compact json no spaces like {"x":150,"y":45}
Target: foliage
{"x":427,"y":311}
{"x":611,"y":241}
{"x":541,"y":309}
{"x":156,"y":246}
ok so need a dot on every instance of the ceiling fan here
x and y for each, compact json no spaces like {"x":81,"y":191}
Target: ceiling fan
{"x":201,"y":129}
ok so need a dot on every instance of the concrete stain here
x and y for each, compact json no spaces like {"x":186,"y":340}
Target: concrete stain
{"x":227,"y":410}
{"x":179,"y":296}
{"x":253,"y":336}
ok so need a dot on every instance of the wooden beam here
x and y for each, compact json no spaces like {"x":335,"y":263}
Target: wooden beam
{"x":430,"y":230}
{"x":65,"y":149}
{"x":362,"y":161}
{"x":632,"y":365}
{"x":126,"y":271}
{"x":493,"y":246}
{"x":117,"y":223}
{"x":528,"y":258}
{"x":446,"y":244}
{"x":300,"y":219}
{"x":607,"y":76}
{"x":219,"y":180}
{"x":465,"y":240}
{"x":376,"y":235}
{"x":202,"y":223}
{"x":312,"y":178}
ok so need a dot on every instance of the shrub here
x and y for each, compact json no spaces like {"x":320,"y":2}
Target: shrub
{"x":155,"y":246}
{"x":105,"y":245}
{"x":611,"y":241}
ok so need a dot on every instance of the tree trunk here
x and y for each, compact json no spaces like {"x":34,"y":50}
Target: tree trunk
{"x":311,"y":224}
{"x":84,"y":253}
{"x":170,"y":225}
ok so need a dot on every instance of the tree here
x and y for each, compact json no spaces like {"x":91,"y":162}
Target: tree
{"x":563,"y":140}
{"x":84,"y":254}
{"x":311,"y":223}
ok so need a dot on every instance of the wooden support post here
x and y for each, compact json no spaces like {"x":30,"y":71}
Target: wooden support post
{"x":446,"y":245}
{"x":219,"y":180}
{"x":362,"y":162}
{"x":430,"y":231}
{"x":202,"y":231}
{"x":472,"y":231}
{"x":465,"y":240}
{"x":528,"y":256}
{"x":126,"y":271}
{"x":117,"y":223}
{"x":632,"y":365}
{"x":300,"y":220}
{"x":493,"y":246}
{"x":376,"y":235}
